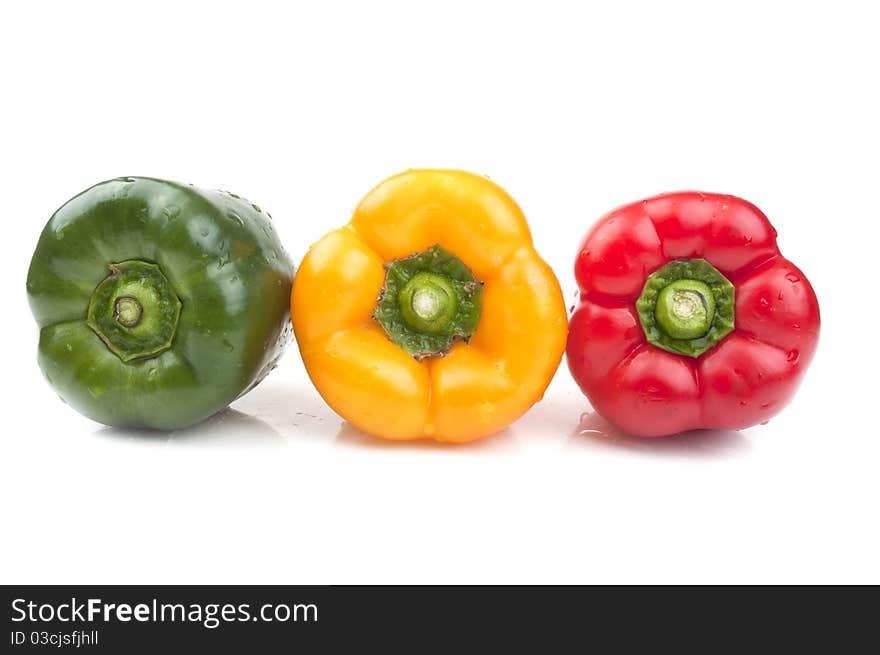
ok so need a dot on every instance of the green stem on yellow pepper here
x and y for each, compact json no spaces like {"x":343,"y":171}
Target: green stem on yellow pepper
{"x":429,"y":301}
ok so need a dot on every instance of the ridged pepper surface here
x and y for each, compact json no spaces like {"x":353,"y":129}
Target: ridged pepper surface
{"x":430,"y":315}
{"x":688,"y":316}
{"x":158,"y":303}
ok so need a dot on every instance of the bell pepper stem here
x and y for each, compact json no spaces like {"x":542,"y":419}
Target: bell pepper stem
{"x":429,"y":301}
{"x":127,"y":311}
{"x":134,"y":310}
{"x":686,"y":307}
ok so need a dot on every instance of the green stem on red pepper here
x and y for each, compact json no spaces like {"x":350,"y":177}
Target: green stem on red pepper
{"x":686,"y":307}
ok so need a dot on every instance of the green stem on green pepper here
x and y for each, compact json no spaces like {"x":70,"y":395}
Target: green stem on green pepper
{"x":134,"y":310}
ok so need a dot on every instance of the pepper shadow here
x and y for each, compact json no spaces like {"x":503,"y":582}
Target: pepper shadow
{"x":504,"y":441}
{"x":594,"y":432}
{"x":226,"y":428}
{"x":295,"y":410}
{"x":551,"y":418}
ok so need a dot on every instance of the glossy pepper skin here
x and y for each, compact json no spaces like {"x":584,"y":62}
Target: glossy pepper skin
{"x":158,"y":303}
{"x":475,"y":386}
{"x":743,"y":379}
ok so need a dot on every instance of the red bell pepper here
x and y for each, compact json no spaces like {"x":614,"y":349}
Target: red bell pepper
{"x":688,"y":316}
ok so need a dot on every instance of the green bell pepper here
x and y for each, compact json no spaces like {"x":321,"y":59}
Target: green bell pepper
{"x":158,"y":303}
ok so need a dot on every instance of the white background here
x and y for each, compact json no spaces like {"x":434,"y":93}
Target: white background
{"x":574,"y":110}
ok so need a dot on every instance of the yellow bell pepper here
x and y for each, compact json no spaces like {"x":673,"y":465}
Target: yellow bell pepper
{"x":430,"y":315}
